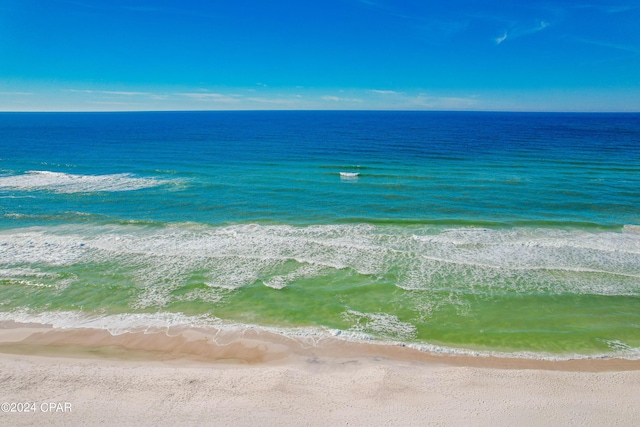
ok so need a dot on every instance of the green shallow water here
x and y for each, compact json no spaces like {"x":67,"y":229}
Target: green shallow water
{"x":490,"y":290}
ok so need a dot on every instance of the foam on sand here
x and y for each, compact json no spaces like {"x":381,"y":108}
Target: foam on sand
{"x":223,"y":333}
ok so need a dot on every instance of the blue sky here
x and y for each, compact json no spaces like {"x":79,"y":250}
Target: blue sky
{"x":84,"y":55}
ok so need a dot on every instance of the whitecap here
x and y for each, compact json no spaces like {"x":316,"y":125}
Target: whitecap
{"x":59,"y":182}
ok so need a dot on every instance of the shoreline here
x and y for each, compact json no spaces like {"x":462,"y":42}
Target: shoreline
{"x":265,"y":379}
{"x":255,"y":346}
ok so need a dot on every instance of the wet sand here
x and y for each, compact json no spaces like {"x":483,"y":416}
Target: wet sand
{"x":198,"y":376}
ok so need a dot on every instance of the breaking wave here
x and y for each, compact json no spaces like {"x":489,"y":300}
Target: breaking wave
{"x":414,"y":258}
{"x":59,"y":182}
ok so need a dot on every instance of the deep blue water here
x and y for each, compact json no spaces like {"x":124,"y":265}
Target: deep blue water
{"x":284,"y":166}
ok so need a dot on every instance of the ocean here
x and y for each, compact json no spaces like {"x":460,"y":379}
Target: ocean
{"x":511,"y":234}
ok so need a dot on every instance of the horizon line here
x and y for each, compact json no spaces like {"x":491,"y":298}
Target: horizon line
{"x":322,"y":110}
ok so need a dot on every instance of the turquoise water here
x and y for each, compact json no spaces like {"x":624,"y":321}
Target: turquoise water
{"x":467,"y":232}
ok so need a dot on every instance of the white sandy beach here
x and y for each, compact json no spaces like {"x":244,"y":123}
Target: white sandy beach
{"x":94,"y":378}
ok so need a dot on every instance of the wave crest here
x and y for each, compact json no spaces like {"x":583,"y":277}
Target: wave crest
{"x":60,"y":182}
{"x":230,"y":257}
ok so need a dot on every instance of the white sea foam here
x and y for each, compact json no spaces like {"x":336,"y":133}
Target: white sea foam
{"x":304,"y":271}
{"x":618,"y":345}
{"x":116,"y":324}
{"x":36,"y":245}
{"x":225,"y":333}
{"x":632,"y":229}
{"x":349,"y":176}
{"x":230,"y":257}
{"x":24,"y":272}
{"x":33,"y":277}
{"x":382,"y":325}
{"x":205,"y":295}
{"x":59,"y":182}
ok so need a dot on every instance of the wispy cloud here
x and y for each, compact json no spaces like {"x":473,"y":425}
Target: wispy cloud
{"x":17,"y":93}
{"x":78,"y":90}
{"x":111,"y":92}
{"x":541,"y":26}
{"x":125,"y":93}
{"x":113,"y":103}
{"x":501,"y":38}
{"x":274,"y":101}
{"x":217,"y":97}
{"x":445,"y":102}
{"x":332,"y":98}
{"x":384,"y":92}
{"x":519,"y":31}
